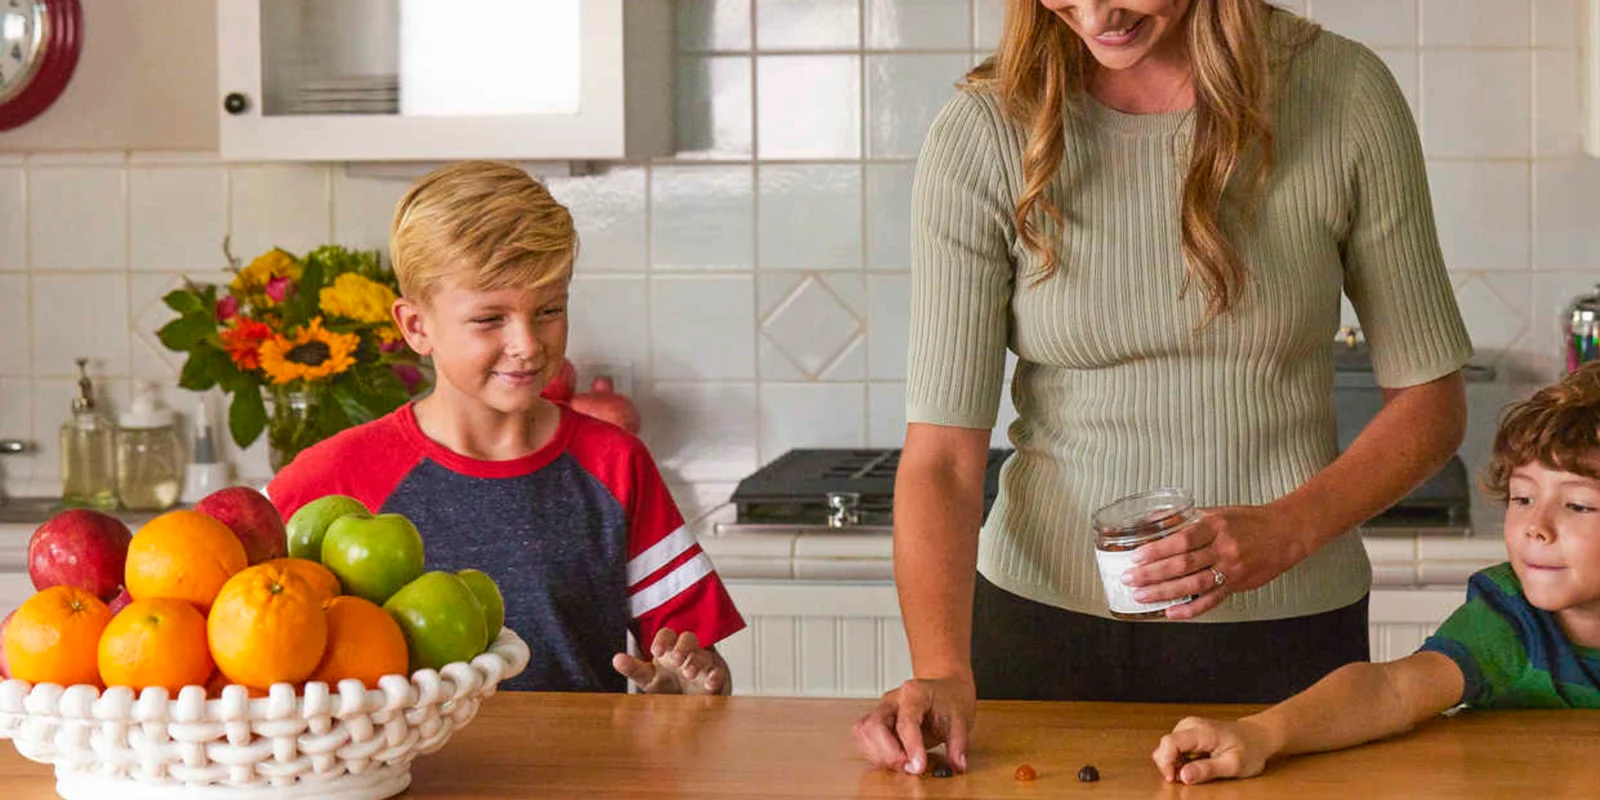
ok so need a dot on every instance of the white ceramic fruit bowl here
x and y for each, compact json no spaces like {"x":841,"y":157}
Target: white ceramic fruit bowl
{"x":340,"y":743}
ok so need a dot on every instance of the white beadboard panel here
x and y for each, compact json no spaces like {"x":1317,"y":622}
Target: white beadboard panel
{"x":1557,"y":104}
{"x":858,"y":645}
{"x":280,"y":206}
{"x":1482,"y":213}
{"x":177,"y":217}
{"x":1375,"y":23}
{"x":702,"y":217}
{"x":14,"y":326}
{"x":1557,"y":24}
{"x":812,"y":327}
{"x":1405,"y":64}
{"x":988,"y":20}
{"x":810,"y":216}
{"x":821,"y":657}
{"x":1493,"y":323}
{"x":608,"y":320}
{"x":701,"y":431}
{"x":778,"y":665}
{"x":702,"y":327}
{"x":808,"y":107}
{"x":888,"y":191}
{"x":894,"y":653}
{"x":715,"y":118}
{"x":80,"y":315}
{"x":363,"y":209}
{"x":886,"y":414}
{"x":904,"y":94}
{"x":1477,"y":23}
{"x":713,"y":25}
{"x":888,"y":326}
{"x":919,"y":24}
{"x":740,"y":652}
{"x":13,"y":220}
{"x":1479,"y":103}
{"x":811,"y":415}
{"x":77,"y":218}
{"x":609,"y":210}
{"x":808,"y":24}
{"x":1566,"y":195}
{"x":16,"y":422}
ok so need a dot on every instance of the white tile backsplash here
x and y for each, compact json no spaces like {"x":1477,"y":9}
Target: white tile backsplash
{"x":756,"y":283}
{"x":77,"y":218}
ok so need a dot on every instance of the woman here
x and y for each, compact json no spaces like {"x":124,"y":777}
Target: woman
{"x":1156,"y":205}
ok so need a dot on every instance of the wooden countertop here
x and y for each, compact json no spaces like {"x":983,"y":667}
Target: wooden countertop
{"x":611,"y":746}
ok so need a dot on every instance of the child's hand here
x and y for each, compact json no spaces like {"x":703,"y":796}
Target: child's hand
{"x":678,"y":666}
{"x":1200,"y":750}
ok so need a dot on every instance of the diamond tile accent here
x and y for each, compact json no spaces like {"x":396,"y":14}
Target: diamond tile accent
{"x":1493,"y":323}
{"x":812,"y":327}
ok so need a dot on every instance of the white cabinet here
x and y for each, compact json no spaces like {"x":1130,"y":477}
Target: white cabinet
{"x":425,"y":80}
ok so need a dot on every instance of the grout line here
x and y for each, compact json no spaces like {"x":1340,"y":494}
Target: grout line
{"x":755,"y":233}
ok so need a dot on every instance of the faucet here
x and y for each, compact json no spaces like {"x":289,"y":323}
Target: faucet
{"x":9,"y":447}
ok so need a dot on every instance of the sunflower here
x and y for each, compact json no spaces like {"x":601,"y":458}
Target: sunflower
{"x":356,"y":297}
{"x":312,"y":354}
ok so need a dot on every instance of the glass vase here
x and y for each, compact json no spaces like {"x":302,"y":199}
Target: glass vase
{"x":291,"y":424}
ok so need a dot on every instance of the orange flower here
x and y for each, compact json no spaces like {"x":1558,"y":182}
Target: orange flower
{"x":243,"y":340}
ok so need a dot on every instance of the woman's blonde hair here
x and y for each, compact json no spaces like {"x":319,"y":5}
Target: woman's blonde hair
{"x":1042,"y":67}
{"x":490,"y":225}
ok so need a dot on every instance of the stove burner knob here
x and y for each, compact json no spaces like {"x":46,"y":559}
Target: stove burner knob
{"x":844,"y":509}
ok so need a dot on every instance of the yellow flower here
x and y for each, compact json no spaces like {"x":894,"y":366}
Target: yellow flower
{"x":251,"y":282}
{"x":312,"y":354}
{"x":354,"y":297}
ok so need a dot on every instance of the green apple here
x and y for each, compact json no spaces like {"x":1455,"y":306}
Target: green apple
{"x":308,"y":525}
{"x":373,"y":556}
{"x":488,"y":594}
{"x":441,"y":618}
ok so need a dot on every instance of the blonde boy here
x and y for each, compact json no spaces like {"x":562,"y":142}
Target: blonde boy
{"x":568,"y":514}
{"x":1527,"y":637}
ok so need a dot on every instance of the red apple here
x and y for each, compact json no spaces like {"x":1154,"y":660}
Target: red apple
{"x":80,"y":548}
{"x":5,"y":672}
{"x":560,"y":388}
{"x":252,"y":518}
{"x":121,"y":601}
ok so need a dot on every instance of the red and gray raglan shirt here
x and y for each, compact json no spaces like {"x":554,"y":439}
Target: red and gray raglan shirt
{"x":582,"y":536}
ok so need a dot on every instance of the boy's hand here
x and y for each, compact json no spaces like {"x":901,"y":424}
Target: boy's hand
{"x":678,"y":666}
{"x":1200,"y":750}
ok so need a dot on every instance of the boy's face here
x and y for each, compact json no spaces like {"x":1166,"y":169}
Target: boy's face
{"x":498,"y":348}
{"x":1552,"y":534}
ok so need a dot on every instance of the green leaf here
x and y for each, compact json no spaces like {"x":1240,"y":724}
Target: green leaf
{"x":184,"y":301}
{"x":187,"y":331}
{"x":379,"y":389}
{"x":335,"y":416}
{"x":247,"y":417}
{"x":351,"y":404}
{"x":205,"y":368}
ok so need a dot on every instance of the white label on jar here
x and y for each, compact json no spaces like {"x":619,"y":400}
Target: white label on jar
{"x":1119,"y":596}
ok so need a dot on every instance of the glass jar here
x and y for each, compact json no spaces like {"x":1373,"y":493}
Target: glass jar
{"x":291,"y":426}
{"x":1125,"y":525}
{"x":149,"y":455}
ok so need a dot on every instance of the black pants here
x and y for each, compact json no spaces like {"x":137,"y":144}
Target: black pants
{"x":1022,"y":650}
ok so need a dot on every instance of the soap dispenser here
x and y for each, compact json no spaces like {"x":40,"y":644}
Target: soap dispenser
{"x":149,"y":454}
{"x":88,"y":451}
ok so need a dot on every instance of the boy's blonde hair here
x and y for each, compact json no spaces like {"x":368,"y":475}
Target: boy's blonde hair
{"x":1558,"y":427}
{"x":486,"y":224}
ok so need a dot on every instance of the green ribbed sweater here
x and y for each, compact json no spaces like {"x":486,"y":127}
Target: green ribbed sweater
{"x":1118,"y":386}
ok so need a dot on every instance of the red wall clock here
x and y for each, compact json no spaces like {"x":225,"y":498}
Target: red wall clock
{"x":39,"y":45}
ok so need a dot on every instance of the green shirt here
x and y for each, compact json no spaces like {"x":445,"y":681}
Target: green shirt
{"x":1512,"y":654}
{"x":1118,"y":386}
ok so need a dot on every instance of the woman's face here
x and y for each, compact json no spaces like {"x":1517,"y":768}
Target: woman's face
{"x":1123,"y":33}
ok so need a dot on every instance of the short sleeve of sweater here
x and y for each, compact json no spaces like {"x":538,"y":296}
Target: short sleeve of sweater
{"x":961,"y":270}
{"x":1394,"y":271}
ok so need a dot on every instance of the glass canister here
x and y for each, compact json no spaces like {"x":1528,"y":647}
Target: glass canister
{"x":1125,"y":525}
{"x":149,"y":455}
{"x":1581,"y":330}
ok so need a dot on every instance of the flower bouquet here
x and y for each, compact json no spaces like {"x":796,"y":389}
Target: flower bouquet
{"x":305,"y":346}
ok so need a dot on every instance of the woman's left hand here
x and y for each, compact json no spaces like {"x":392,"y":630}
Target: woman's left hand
{"x":1230,"y":549}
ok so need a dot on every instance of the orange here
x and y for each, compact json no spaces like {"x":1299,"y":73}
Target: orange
{"x":54,"y":636}
{"x":364,"y":643}
{"x":267,"y":626}
{"x":182,"y":555}
{"x":321,"y":578}
{"x":159,"y":642}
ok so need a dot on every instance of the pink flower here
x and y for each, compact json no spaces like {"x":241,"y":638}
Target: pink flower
{"x":278,"y":288}
{"x":227,"y":308}
{"x":393,"y":347}
{"x":409,"y":375}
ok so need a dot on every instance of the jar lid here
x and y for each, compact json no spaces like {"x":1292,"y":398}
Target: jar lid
{"x":1145,"y":513}
{"x":147,"y":411}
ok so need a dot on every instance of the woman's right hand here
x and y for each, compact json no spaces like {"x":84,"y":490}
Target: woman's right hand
{"x":922,"y":713}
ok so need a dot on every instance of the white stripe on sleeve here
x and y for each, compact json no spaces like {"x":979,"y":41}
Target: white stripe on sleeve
{"x":659,"y":554}
{"x":671,"y":585}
